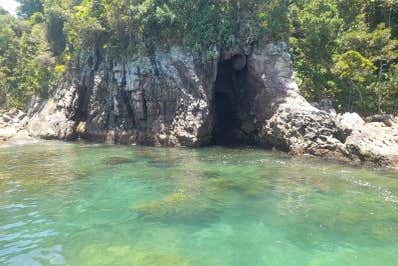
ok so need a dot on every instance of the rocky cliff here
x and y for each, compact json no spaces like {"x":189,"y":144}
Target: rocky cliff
{"x":181,"y":98}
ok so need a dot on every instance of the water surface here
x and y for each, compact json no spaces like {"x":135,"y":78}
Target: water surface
{"x":82,"y":204}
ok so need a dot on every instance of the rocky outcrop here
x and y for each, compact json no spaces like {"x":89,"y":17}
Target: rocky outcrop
{"x":163,"y":99}
{"x":373,"y":142}
{"x":54,"y":118}
{"x":181,"y":98}
{"x":13,"y":127}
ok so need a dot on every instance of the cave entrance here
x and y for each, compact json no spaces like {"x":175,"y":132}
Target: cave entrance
{"x":226,"y":101}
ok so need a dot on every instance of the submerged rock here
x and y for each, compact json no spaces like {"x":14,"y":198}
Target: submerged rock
{"x":244,"y":186}
{"x":116,"y":160}
{"x":178,"y":207}
{"x":97,"y":254}
{"x":170,"y":205}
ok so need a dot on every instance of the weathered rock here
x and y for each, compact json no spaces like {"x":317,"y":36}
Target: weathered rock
{"x":51,"y":123}
{"x":325,"y":105}
{"x":388,"y":120}
{"x":20,"y":115}
{"x":176,"y":97}
{"x":6,"y":118}
{"x":374,"y":143}
{"x":12,"y":112}
{"x":239,"y":62}
{"x":158,"y":100}
{"x":347,"y":122}
{"x":13,"y":128}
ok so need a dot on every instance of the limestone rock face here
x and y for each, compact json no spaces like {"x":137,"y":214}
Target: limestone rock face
{"x":181,"y":98}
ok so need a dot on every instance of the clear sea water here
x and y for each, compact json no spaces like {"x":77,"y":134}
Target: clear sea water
{"x":84,"y":204}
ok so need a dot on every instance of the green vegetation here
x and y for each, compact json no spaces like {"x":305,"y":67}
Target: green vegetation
{"x":343,"y":50}
{"x":347,"y":51}
{"x":26,"y":62}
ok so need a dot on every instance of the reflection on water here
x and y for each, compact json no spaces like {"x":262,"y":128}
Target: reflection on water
{"x":80,"y":204}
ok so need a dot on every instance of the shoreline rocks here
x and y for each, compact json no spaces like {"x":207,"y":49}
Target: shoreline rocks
{"x":13,"y":130}
{"x":169,"y":98}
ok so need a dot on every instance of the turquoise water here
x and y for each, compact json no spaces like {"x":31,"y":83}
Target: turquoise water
{"x":80,"y":204}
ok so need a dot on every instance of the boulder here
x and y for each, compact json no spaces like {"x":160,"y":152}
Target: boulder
{"x":374,"y":144}
{"x":349,"y":121}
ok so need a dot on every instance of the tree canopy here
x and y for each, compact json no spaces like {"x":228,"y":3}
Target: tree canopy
{"x":347,"y":51}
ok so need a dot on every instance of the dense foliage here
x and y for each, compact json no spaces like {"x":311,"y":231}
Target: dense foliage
{"x":347,"y":51}
{"x":26,"y":61}
{"x":344,"y":50}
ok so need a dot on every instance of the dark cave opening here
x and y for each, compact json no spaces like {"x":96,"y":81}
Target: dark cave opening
{"x":226,"y":130}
